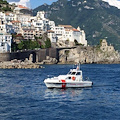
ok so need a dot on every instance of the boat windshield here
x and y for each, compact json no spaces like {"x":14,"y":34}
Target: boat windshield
{"x":73,"y":73}
{"x":78,"y":73}
{"x":69,"y":73}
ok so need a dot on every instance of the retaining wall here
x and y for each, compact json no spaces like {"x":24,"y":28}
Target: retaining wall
{"x":38,"y":55}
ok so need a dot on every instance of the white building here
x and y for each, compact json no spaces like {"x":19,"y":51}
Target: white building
{"x":41,"y":23}
{"x":5,"y":42}
{"x":30,"y":27}
{"x":23,"y":18}
{"x":16,"y":26}
{"x":67,"y":32}
{"x":42,"y":15}
{"x":2,"y":17}
{"x":51,"y":34}
{"x":8,"y":27}
{"x":18,"y":9}
{"x":9,"y":17}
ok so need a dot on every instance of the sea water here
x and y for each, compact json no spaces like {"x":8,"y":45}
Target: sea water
{"x":24,"y":96}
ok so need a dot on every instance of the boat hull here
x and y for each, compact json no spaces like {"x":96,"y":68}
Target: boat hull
{"x":69,"y":85}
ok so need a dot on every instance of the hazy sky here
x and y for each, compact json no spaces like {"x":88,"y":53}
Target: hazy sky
{"x":36,"y":3}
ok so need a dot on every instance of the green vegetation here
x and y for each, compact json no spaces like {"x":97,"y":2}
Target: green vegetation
{"x":47,"y":43}
{"x":4,"y":6}
{"x":76,"y":43}
{"x":67,"y":52}
{"x":7,"y":8}
{"x":14,"y":47}
{"x":28,"y":44}
{"x":3,"y":2}
{"x":67,"y":41}
{"x":101,"y":41}
{"x":39,"y":42}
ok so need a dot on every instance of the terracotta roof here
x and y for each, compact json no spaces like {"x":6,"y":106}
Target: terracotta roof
{"x":75,"y":30}
{"x":7,"y":13}
{"x":50,"y":31}
{"x":15,"y":21}
{"x":66,"y":26}
{"x":21,"y":6}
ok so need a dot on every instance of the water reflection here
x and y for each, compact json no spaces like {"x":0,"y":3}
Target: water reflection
{"x":55,"y":93}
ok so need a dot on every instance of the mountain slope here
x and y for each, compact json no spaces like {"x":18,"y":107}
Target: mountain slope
{"x":96,"y":17}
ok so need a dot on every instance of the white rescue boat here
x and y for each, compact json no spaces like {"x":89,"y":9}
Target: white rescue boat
{"x":73,"y":79}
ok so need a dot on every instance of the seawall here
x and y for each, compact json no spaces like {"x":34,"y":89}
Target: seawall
{"x":37,"y":55}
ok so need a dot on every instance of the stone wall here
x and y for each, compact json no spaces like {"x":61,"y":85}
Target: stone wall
{"x":38,"y":55}
{"x":5,"y":57}
{"x":53,"y":53}
{"x":41,"y":55}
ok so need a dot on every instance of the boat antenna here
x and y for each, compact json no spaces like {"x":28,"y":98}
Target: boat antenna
{"x":74,"y":65}
{"x":78,"y":66}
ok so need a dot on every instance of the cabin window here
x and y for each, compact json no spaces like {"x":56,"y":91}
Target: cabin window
{"x":69,"y":77}
{"x":69,"y":73}
{"x":78,"y":73}
{"x":73,"y":73}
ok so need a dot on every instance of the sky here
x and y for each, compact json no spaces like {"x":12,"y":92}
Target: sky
{"x":32,"y":3}
{"x":35,"y":3}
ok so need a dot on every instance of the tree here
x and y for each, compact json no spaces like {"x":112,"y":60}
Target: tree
{"x":20,"y":45}
{"x":7,"y":8}
{"x":47,"y":43}
{"x":29,"y":44}
{"x":14,"y":47}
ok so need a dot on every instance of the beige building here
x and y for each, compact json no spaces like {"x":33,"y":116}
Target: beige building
{"x":104,"y":46}
{"x":28,"y":33}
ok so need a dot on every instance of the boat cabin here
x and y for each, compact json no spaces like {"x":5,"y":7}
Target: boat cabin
{"x":75,"y":74}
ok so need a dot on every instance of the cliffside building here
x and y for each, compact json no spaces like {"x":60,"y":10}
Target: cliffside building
{"x":21,"y":22}
{"x":67,"y":32}
{"x":5,"y":42}
{"x":41,"y":22}
{"x":104,"y":46}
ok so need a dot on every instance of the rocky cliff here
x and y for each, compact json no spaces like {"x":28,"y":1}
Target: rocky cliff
{"x":97,"y":54}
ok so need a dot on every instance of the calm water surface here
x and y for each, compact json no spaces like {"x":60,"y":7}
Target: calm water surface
{"x":24,"y":96}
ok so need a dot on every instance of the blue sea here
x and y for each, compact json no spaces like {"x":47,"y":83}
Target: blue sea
{"x":24,"y":96}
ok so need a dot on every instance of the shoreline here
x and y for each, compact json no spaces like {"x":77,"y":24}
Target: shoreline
{"x":24,"y":65}
{"x":10,"y":65}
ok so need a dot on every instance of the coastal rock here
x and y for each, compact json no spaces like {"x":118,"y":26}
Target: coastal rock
{"x":49,"y":60}
{"x":98,"y":54}
{"x":16,"y":64}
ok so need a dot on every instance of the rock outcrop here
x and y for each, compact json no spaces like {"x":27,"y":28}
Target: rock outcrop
{"x":18,"y":64}
{"x":67,"y":43}
{"x":49,"y":60}
{"x":97,"y":54}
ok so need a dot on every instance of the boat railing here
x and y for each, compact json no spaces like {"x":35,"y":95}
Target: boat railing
{"x":87,"y":79}
{"x":50,"y":76}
